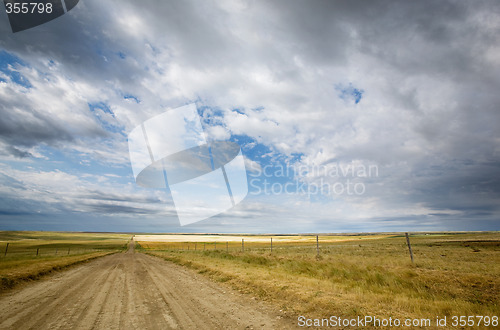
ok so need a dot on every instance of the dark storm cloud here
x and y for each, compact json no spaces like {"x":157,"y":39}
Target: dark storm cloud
{"x":114,"y":209}
{"x":28,"y":127}
{"x":18,"y":153}
{"x":465,"y":187}
{"x":14,"y":213}
{"x":114,"y":197}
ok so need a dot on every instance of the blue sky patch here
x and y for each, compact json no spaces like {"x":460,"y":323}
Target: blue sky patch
{"x":8,"y":64}
{"x":131,"y":97}
{"x":350,"y":93}
{"x":108,"y":126}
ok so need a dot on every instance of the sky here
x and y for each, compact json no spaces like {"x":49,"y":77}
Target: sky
{"x":352,"y":116}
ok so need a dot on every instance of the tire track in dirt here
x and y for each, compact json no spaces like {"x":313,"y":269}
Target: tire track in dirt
{"x":132,"y":291}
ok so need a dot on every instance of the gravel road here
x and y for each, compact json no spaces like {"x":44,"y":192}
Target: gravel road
{"x":132,"y":291}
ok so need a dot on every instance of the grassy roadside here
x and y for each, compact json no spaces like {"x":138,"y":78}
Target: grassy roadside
{"x":31,"y":255}
{"x":22,"y":271}
{"x":454,"y":274}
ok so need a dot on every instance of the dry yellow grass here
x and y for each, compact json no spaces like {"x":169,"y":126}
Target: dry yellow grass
{"x":34,"y":254}
{"x":454,"y":274}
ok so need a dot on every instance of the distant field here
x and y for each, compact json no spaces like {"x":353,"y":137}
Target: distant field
{"x":454,"y":274}
{"x":29,"y":255}
{"x":165,"y":238}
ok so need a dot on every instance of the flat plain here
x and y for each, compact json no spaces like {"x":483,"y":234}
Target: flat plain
{"x":215,"y":281}
{"x":453,"y":274}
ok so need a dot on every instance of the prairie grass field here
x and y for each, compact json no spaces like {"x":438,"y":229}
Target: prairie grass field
{"x":454,"y":274}
{"x":29,"y":255}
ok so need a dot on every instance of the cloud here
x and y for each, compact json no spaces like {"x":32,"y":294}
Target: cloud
{"x":410,"y":87}
{"x":60,"y":192}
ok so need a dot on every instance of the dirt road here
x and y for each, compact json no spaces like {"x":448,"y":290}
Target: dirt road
{"x":132,"y":291}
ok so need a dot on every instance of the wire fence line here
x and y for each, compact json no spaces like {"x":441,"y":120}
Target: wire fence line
{"x":12,"y":251}
{"x":314,"y":245}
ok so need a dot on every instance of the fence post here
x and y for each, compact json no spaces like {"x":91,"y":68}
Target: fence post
{"x":37,"y":251}
{"x":242,"y":245}
{"x":227,"y":247}
{"x":271,"y":245}
{"x":317,"y":245}
{"x":6,"y":248}
{"x":409,"y":247}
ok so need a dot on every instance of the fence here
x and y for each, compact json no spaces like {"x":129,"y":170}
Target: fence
{"x":11,"y":250}
{"x":315,"y":244}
